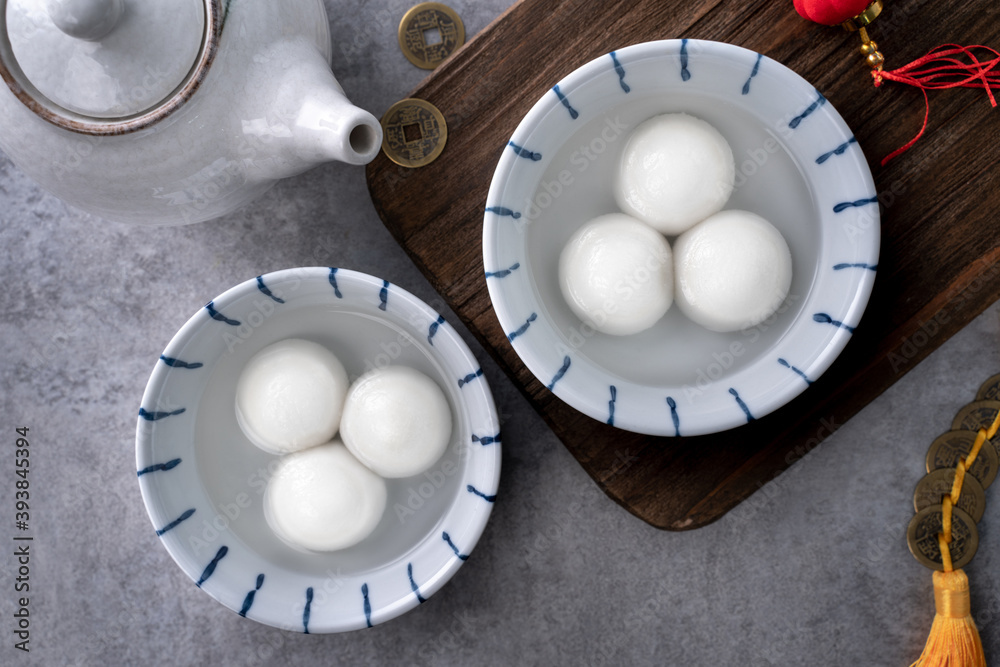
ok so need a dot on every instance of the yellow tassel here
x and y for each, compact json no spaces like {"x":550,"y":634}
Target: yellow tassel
{"x":954,"y":640}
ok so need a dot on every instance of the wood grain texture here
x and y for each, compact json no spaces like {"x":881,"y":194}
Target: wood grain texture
{"x":940,"y":259}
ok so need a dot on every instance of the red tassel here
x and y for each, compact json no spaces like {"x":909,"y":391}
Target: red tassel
{"x":941,"y":68}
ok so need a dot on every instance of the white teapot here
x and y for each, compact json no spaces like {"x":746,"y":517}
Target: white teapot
{"x":164,"y":112}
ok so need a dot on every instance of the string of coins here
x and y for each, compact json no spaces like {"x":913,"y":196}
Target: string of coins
{"x":949,"y":502}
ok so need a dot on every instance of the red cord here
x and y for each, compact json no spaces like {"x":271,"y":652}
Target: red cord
{"x":945,"y":71}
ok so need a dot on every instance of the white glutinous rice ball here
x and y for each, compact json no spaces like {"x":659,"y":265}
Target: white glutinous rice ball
{"x":675,"y":171}
{"x":733,"y":271}
{"x":617,"y":274}
{"x":290,"y":396}
{"x":323,"y":499}
{"x":396,"y":420}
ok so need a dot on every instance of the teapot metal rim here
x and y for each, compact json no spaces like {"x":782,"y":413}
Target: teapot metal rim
{"x":61,"y":117}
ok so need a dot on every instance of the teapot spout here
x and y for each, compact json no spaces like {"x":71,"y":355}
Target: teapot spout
{"x":329,"y":128}
{"x":301,"y":116}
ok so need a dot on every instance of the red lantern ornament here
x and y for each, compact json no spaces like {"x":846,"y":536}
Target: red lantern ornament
{"x":831,"y":12}
{"x":947,"y":66}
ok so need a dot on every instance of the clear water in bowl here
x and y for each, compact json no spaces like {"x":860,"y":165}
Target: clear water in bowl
{"x":577,"y":186}
{"x":234,"y":472}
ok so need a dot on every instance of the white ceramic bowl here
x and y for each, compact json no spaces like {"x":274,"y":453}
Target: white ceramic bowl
{"x":203,"y":481}
{"x":797,"y":165}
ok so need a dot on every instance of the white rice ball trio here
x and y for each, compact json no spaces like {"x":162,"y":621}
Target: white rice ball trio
{"x":329,"y":493}
{"x":728,"y":269}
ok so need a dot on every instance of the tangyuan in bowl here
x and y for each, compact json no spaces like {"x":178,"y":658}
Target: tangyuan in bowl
{"x":205,"y":483}
{"x":797,"y":165}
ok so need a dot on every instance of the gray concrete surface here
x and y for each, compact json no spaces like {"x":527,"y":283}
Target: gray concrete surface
{"x":813,"y":569}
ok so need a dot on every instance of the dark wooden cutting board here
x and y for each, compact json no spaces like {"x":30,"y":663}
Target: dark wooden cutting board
{"x":940,"y":260}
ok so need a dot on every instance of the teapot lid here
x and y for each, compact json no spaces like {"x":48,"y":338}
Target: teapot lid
{"x":106,"y":66}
